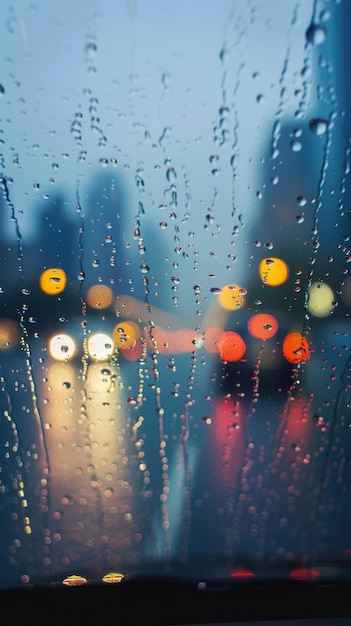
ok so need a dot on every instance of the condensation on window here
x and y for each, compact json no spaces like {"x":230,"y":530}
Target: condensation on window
{"x":174,"y":291}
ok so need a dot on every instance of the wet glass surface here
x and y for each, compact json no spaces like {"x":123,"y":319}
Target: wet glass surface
{"x":175,"y":294}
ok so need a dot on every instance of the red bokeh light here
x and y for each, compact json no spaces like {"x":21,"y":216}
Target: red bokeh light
{"x":231,"y":346}
{"x":262,"y":326}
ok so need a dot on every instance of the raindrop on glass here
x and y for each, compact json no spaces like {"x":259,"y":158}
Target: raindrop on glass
{"x":91,"y":50}
{"x":171,"y":174}
{"x":316,"y":34}
{"x":301,"y":200}
{"x":318,"y":126}
{"x":296,"y":145}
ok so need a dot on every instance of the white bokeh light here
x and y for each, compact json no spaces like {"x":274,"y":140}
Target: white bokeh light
{"x":100,"y":346}
{"x":62,"y":347}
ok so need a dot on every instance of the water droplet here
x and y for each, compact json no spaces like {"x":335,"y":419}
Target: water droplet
{"x":316,"y":34}
{"x":301,"y":200}
{"x":2,"y":91}
{"x":234,"y":160}
{"x":91,"y":49}
{"x":296,"y":145}
{"x":166,"y":80}
{"x":224,"y":111}
{"x":318,"y":126}
{"x":171,"y":174}
{"x":325,"y":15}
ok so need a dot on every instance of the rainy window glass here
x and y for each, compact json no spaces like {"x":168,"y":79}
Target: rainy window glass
{"x":175,"y":294}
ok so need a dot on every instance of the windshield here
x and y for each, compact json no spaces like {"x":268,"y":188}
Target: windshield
{"x":175,"y":294}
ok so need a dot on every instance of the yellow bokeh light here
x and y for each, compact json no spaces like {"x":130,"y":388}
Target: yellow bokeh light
{"x":112,"y":577}
{"x":99,"y":296}
{"x":126,"y":334}
{"x":232,"y":297}
{"x":273,"y":271}
{"x":320,"y":299}
{"x":74,"y":581}
{"x":53,"y":281}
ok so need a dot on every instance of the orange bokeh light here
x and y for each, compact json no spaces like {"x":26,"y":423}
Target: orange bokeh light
{"x":262,"y":326}
{"x":9,"y":334}
{"x":296,"y":348}
{"x":125,"y":335}
{"x":231,"y":346}
{"x":100,"y":296}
